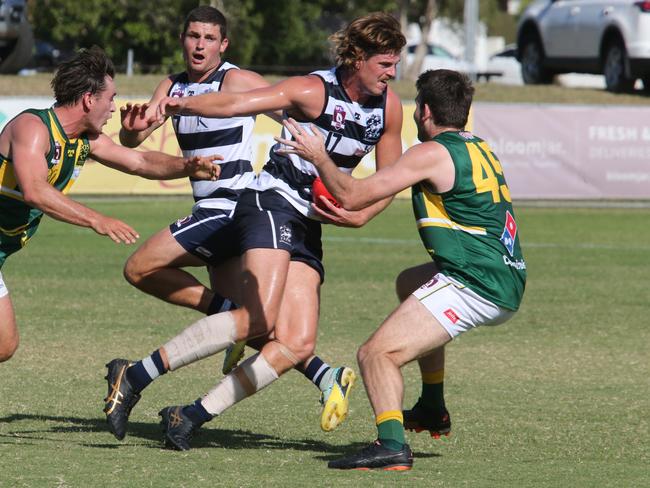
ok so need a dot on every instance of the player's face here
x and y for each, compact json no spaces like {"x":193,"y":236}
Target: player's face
{"x":102,"y":106}
{"x":376,"y":71}
{"x":202,"y":48}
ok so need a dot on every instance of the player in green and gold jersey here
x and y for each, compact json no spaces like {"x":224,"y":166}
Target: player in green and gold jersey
{"x":42,"y":153}
{"x":466,"y":221}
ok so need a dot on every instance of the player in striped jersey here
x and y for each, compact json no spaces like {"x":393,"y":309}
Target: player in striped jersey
{"x":465,"y":217}
{"x":204,"y":237}
{"x":42,"y":153}
{"x":276,"y":223}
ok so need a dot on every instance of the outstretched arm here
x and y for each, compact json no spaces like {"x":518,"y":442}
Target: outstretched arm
{"x":153,"y":165}
{"x":138,"y":121}
{"x":30,"y":143}
{"x":302,"y":93}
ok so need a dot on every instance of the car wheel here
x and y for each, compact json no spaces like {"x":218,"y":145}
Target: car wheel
{"x":532,"y":64}
{"x":615,"y":68}
{"x":15,"y":57}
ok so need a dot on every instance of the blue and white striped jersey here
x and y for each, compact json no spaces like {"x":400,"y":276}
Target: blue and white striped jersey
{"x":351,"y":130}
{"x":203,"y":136}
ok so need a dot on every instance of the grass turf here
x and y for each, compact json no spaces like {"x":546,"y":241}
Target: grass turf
{"x":557,"y":397}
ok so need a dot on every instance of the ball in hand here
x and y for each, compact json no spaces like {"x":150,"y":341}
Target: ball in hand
{"x":318,"y":190}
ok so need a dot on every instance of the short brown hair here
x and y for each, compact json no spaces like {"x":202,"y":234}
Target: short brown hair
{"x":375,"y":33}
{"x":207,"y":15}
{"x":83,"y":73}
{"x":448,"y":94}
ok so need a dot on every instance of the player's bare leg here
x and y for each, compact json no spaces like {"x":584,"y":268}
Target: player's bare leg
{"x":155,"y":268}
{"x":265,"y":274}
{"x":430,"y":412}
{"x":8,"y":329}
{"x":380,"y":360}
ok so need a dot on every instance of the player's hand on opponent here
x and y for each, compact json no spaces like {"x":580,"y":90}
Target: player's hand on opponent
{"x":136,"y":117}
{"x":203,"y":167}
{"x":332,"y":214}
{"x":117,"y":230}
{"x":308,"y":144}
{"x":168,"y":106}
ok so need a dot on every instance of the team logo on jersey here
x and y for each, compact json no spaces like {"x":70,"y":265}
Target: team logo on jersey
{"x":466,"y":135}
{"x":83,"y":154}
{"x":56,"y":159}
{"x":178,"y":90}
{"x":509,"y":233}
{"x":373,"y":127}
{"x":338,"y":118}
{"x":451,"y":315}
{"x":285,"y":234}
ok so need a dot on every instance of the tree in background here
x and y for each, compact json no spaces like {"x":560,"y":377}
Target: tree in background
{"x":279,"y":36}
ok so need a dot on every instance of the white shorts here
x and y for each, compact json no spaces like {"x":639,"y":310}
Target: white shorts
{"x":456,"y":307}
{"x":3,"y":288}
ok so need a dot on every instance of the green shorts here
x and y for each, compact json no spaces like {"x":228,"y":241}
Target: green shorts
{"x":9,"y":245}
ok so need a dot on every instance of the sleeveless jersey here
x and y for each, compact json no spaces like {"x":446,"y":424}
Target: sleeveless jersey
{"x":64,"y":162}
{"x":350,"y":129}
{"x":203,"y":136}
{"x":470,"y":231}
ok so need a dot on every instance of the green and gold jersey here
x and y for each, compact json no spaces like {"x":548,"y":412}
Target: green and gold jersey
{"x":470,"y":231}
{"x":64,"y":161}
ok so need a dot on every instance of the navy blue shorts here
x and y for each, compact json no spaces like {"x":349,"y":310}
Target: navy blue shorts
{"x":209,"y":234}
{"x":266,"y":220}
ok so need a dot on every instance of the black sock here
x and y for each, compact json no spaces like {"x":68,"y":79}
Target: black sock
{"x":197,"y":413}
{"x":142,"y":373}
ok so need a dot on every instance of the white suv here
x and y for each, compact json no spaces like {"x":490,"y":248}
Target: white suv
{"x":581,"y":36}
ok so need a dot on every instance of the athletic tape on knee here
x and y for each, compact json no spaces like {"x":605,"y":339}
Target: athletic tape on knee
{"x":286,"y":352}
{"x":248,"y":378}
{"x":201,"y":339}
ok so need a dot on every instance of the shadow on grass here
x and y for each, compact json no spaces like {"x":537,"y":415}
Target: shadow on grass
{"x":209,"y":437}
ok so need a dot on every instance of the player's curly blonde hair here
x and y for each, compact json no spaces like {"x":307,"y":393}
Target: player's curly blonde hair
{"x":375,"y":33}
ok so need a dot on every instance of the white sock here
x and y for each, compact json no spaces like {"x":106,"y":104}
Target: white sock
{"x":203,"y":338}
{"x":250,"y":377}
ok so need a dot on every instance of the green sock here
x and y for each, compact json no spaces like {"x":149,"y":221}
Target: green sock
{"x":391,"y":434}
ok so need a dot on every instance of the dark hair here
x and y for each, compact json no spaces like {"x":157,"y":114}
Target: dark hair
{"x":448,"y":94}
{"x":207,"y":15}
{"x":83,"y":73}
{"x":375,"y":33}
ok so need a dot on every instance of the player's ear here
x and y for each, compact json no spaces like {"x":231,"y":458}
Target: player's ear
{"x":426,"y":113}
{"x":87,"y":100}
{"x":224,"y":46}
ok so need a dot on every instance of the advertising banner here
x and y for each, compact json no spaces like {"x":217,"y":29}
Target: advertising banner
{"x":569,"y":151}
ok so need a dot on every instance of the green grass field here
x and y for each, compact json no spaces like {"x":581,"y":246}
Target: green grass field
{"x":558,"y":397}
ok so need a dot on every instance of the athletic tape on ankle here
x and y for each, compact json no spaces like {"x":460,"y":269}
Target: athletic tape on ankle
{"x":250,"y":377}
{"x":286,"y":352}
{"x":203,"y":338}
